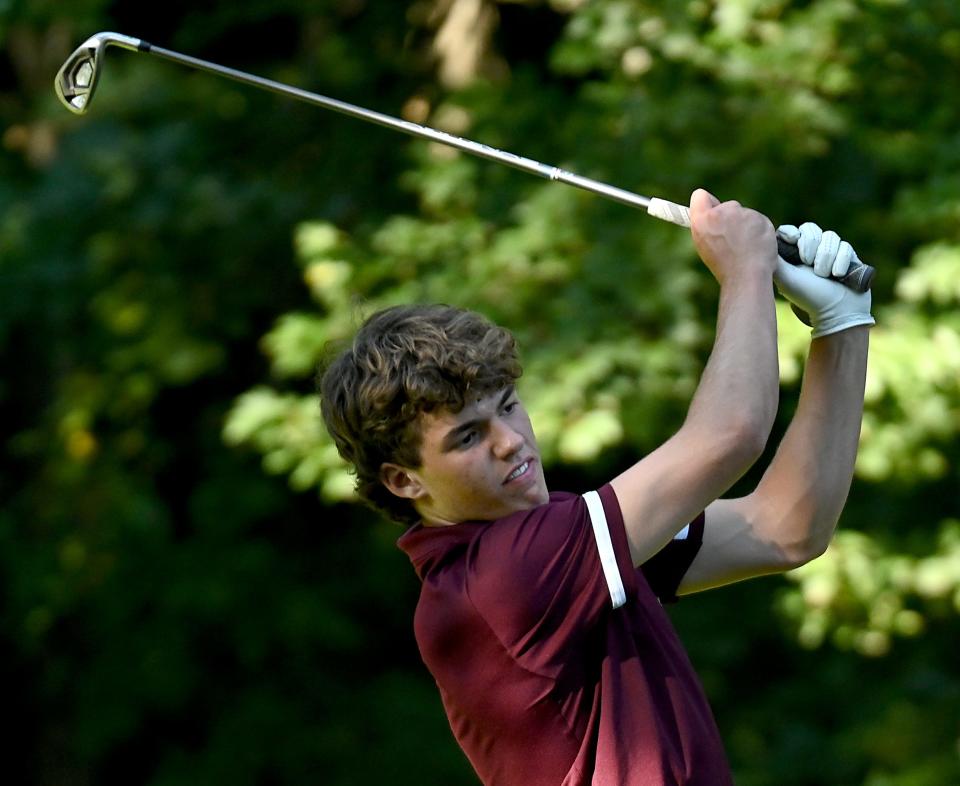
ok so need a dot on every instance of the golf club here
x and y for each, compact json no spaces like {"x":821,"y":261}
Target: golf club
{"x":78,"y":76}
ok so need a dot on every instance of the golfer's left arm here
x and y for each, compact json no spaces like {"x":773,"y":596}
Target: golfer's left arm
{"x":790,"y":517}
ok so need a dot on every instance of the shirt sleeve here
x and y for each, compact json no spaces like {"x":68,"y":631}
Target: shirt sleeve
{"x":665,"y":570}
{"x":543,"y":579}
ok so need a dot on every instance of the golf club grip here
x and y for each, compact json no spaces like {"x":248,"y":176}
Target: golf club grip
{"x":858,"y":277}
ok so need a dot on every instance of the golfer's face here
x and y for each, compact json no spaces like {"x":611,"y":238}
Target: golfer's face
{"x":481,"y":463}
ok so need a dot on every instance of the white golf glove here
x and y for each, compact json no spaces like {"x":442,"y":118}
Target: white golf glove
{"x":829,"y":305}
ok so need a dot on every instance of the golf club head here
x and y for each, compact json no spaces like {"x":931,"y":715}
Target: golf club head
{"x":77,"y":78}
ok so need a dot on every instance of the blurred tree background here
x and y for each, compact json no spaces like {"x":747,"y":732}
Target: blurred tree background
{"x":187,"y":594}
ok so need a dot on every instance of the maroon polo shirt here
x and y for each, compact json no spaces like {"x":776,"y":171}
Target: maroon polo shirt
{"x":556,"y":663}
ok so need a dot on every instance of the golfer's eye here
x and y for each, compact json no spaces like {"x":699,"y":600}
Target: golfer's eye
{"x":468,"y":439}
{"x":509,"y":407}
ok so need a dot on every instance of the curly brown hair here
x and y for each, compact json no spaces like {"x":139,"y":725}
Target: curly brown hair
{"x":405,"y":361}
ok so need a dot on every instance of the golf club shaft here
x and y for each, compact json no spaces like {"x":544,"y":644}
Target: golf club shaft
{"x":413,"y":129}
{"x":79,"y":86}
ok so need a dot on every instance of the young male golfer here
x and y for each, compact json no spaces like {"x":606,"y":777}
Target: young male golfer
{"x":540,"y":613}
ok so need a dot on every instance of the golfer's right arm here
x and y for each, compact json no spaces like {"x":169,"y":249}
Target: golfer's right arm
{"x":733,"y":410}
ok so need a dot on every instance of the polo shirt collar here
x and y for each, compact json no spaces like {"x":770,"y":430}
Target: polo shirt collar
{"x":430,"y":547}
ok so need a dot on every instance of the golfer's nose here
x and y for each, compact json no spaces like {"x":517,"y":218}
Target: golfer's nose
{"x":506,"y":440}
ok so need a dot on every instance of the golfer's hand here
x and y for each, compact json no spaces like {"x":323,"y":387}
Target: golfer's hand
{"x":828,"y":305}
{"x":733,"y":241}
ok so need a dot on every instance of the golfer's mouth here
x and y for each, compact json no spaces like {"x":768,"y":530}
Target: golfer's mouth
{"x":519,"y":471}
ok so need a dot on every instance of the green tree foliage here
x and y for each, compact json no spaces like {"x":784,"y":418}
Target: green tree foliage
{"x":188,"y":597}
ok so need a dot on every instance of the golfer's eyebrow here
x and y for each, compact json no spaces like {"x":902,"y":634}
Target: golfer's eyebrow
{"x":457,"y":432}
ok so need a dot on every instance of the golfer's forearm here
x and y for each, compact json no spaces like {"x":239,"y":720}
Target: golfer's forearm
{"x":738,"y":393}
{"x":803,"y":491}
{"x":724,"y":432}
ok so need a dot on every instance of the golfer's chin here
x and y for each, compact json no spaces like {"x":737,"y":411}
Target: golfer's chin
{"x":542,"y":495}
{"x":531,"y":497}
{"x":495,"y":506}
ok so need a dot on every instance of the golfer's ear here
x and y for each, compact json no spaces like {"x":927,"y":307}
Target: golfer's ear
{"x":401,"y":482}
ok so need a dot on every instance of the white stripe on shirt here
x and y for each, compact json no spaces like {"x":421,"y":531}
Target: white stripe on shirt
{"x":608,"y":560}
